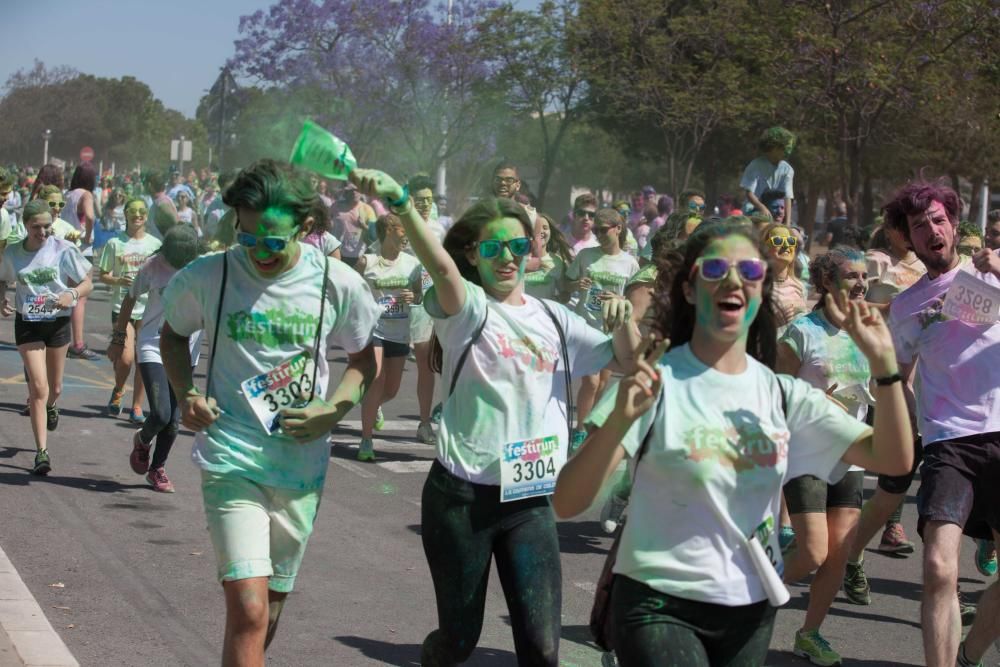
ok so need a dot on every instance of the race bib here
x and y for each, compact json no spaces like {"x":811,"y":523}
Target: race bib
{"x":393,"y":309}
{"x":593,"y":303}
{"x":281,"y":387}
{"x":767,"y":536}
{"x":39,"y":308}
{"x":972,"y":300}
{"x":529,"y":468}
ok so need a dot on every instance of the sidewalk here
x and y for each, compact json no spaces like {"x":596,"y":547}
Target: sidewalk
{"x":26,"y":637}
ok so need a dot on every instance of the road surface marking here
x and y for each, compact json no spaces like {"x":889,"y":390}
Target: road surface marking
{"x":353,"y":467}
{"x":406,"y":466}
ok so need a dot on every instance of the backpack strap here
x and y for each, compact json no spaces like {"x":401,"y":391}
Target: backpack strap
{"x":465,"y":352}
{"x":218,"y":323}
{"x":566,"y":368}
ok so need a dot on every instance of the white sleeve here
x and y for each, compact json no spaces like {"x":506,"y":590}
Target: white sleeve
{"x":457,"y":330}
{"x":352,"y":303}
{"x":183,"y":298}
{"x":74,"y":264}
{"x":589,"y":349}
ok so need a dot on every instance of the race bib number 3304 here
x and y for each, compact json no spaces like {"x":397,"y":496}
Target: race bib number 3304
{"x":529,"y":468}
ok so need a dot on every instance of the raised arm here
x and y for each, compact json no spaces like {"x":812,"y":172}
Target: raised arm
{"x":448,"y":283}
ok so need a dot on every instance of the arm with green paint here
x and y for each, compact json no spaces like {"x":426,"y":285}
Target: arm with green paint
{"x":319,"y":417}
{"x":448,"y":283}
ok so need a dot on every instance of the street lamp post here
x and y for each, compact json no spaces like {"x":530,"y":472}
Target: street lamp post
{"x":45,"y":155}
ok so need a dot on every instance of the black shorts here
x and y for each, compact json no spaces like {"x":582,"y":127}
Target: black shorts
{"x":901,"y":483}
{"x":54,"y":333}
{"x":811,"y":495}
{"x":390,"y":349}
{"x":959,"y":484}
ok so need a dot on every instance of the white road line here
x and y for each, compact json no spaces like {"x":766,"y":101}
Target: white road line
{"x":406,"y":466}
{"x":338,"y":441}
{"x":353,"y":467}
{"x":390,"y":425}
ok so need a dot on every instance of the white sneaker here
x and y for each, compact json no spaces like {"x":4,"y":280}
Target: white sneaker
{"x":611,"y":514}
{"x":425,"y":433}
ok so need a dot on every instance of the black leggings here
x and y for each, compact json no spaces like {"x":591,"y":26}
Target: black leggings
{"x":464,"y":525}
{"x":652,"y":629}
{"x":164,"y":413}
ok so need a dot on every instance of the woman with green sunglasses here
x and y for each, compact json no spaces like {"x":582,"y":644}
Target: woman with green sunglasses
{"x":504,"y":434}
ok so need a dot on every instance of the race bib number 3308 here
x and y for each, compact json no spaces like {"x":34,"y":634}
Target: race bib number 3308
{"x":529,"y":468}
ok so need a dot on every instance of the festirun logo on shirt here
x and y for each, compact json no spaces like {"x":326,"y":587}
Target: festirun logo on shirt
{"x":38,"y":276}
{"x":272,"y":327}
{"x":741,"y":449}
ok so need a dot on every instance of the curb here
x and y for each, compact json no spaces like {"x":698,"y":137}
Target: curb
{"x":24,"y":628}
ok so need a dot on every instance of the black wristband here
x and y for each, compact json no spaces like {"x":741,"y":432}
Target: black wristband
{"x":889,"y":379}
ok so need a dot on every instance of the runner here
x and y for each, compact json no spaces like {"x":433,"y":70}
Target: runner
{"x":693,"y":581}
{"x":318,"y":235}
{"x":824,"y":516}
{"x":550,"y":255}
{"x":80,"y":212}
{"x":779,"y":245}
{"x":394,"y":277}
{"x":270,"y":307}
{"x":180,"y":247}
{"x":162,"y":212}
{"x":598,"y":274}
{"x":947,"y":321}
{"x":421,"y":191}
{"x":51,"y":276}
{"x":503,"y":364}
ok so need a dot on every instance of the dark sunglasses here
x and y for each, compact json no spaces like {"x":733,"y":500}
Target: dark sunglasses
{"x":695,"y":207}
{"x":518,"y":247}
{"x":272,"y":243}
{"x":584,"y":214}
{"x":778,"y":241}
{"x":506,"y":180}
{"x":714,"y":269}
{"x":57,"y":204}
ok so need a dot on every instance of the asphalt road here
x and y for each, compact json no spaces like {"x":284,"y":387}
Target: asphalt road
{"x":127,"y":576}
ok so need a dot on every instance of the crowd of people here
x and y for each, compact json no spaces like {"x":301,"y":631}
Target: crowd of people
{"x":722,"y":373}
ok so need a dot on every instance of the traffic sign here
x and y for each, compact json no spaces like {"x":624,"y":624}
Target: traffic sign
{"x":86,"y":154}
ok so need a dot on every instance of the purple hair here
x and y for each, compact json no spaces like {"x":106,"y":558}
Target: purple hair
{"x":915,"y":198}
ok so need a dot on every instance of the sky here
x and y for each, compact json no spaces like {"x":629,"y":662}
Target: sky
{"x":176,"y":47}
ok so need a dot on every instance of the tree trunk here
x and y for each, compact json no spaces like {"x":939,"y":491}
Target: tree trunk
{"x":807,"y":213}
{"x":977,"y":202}
{"x":867,"y":202}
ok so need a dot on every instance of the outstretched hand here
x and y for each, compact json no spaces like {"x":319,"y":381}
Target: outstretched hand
{"x":616,"y":311}
{"x":638,"y":391}
{"x":866,"y":327}
{"x":375,"y":183}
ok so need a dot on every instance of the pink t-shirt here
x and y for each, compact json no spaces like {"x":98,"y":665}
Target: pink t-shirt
{"x":958,"y":377}
{"x":789,"y":298}
{"x":351,"y":228}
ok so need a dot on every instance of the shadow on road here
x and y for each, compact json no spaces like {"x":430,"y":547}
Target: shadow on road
{"x":786,"y":658}
{"x":99,"y":485}
{"x":407,"y":655}
{"x":843,"y":608}
{"x":582,"y":537}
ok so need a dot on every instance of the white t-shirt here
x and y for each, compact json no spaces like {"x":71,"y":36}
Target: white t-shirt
{"x":608,"y":273}
{"x":48,"y":270}
{"x":387,"y":279}
{"x":544,"y":283}
{"x":958,"y":377}
{"x":264,"y":324}
{"x":124,"y":256}
{"x":512,"y":387}
{"x":151,"y":280}
{"x":721,"y":447}
{"x":761,"y":174}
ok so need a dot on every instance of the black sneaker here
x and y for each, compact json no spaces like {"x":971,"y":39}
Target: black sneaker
{"x":42,"y":463}
{"x":26,"y":412}
{"x":51,"y":417}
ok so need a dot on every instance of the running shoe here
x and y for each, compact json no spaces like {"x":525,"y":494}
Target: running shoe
{"x":379,"y":419}
{"x":436,"y":414}
{"x":786,"y":538}
{"x":894,"y":541}
{"x":26,"y":412}
{"x":42,"y":463}
{"x":986,"y":557}
{"x":157,"y":478}
{"x":52,"y":422}
{"x":810,"y":644}
{"x":139,"y":458}
{"x":608,"y":659}
{"x":856,"y":588}
{"x":137,"y":418}
{"x":611,"y":514}
{"x":366,"y":450}
{"x":425,"y":433}
{"x":115,"y":402}
{"x":962,"y":661}
{"x":81,"y":353}
{"x":966,"y":610}
{"x":578,"y":438}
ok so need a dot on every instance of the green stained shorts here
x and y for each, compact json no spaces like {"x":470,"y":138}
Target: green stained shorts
{"x":257,"y":530}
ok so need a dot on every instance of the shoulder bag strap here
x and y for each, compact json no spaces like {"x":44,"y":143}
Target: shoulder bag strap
{"x":566,"y":367}
{"x":468,"y":348}
{"x":218,"y":323}
{"x":319,"y":329}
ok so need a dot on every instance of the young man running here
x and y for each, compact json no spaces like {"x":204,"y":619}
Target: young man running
{"x":270,"y":306}
{"x":948,"y":321}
